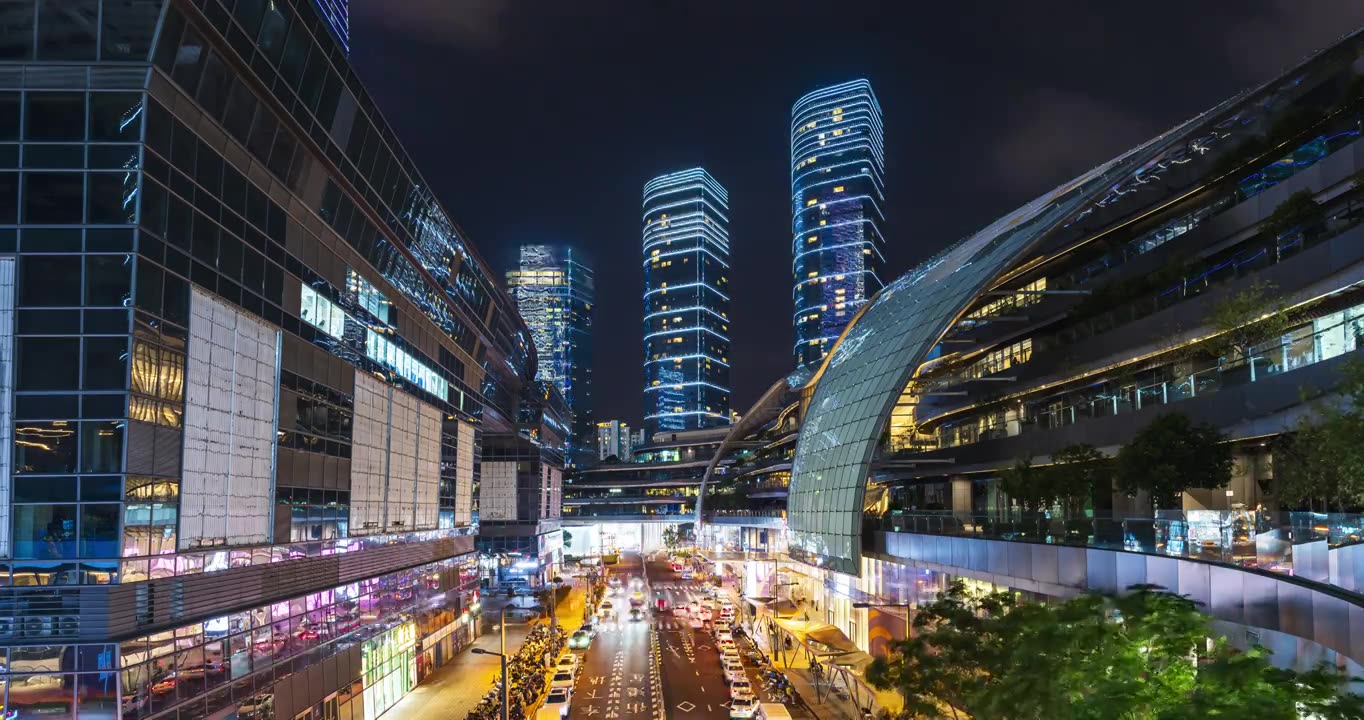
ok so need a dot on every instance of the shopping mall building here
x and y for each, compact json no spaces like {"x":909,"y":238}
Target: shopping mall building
{"x":255,"y":368}
{"x":1078,"y":319}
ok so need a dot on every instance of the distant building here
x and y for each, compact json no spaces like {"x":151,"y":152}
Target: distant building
{"x":614,"y":439}
{"x":637,"y":439}
{"x":555,"y":293}
{"x":837,"y":201}
{"x":686,"y":302}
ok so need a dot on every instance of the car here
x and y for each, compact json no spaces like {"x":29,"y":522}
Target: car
{"x":724,"y":636}
{"x":568,"y":661}
{"x":695,"y":622}
{"x":636,"y":614}
{"x":743,"y":707}
{"x":733,"y":670}
{"x":686,"y":574}
{"x":693,"y":607}
{"x":731,"y":655}
{"x":723,"y":645}
{"x":706,"y":615}
{"x":636,"y":582}
{"x":661,"y":603}
{"x":608,"y":611}
{"x":562,"y":679}
{"x":741,"y":688}
{"x":677,"y":567}
{"x":614,"y":581}
{"x":559,"y":698}
{"x":589,"y":628}
{"x":580,"y":640}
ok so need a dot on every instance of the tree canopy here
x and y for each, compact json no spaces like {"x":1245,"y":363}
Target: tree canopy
{"x":1171,"y":455}
{"x":1144,"y":655}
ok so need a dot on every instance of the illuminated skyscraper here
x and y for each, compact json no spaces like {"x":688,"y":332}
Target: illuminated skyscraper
{"x":555,"y":293}
{"x":837,"y":199}
{"x":686,"y":304}
{"x":337,"y":15}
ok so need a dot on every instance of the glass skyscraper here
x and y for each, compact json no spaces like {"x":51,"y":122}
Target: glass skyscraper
{"x":555,"y":293}
{"x":837,"y":208}
{"x":249,"y":373}
{"x":337,"y":16}
{"x":686,"y":302}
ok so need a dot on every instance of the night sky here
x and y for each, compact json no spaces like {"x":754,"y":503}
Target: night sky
{"x":540,"y":120}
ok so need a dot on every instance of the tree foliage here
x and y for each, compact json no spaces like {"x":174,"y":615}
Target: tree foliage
{"x":1322,"y":460}
{"x":1139,"y":656}
{"x":1069,"y":482}
{"x":1172,"y":455}
{"x":1246,"y":318}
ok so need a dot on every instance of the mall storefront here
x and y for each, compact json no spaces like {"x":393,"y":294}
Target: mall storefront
{"x":347,"y":653}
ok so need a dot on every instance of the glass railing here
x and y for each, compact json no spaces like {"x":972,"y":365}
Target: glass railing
{"x":1260,"y":540}
{"x":216,"y":560}
{"x":1268,"y":360}
{"x":1340,"y":217}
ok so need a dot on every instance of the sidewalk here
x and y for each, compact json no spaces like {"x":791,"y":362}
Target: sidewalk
{"x":456,"y":688}
{"x":818,"y":697}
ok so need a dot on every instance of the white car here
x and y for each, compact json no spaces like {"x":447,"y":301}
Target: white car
{"x":731,"y":656}
{"x":568,"y":661}
{"x":559,"y":699}
{"x":695,"y":623}
{"x":693,"y":607}
{"x":734,"y":670}
{"x":743,"y":707}
{"x":726,"y":645}
{"x":705,"y":615}
{"x":741,"y":689}
{"x":562,"y":679}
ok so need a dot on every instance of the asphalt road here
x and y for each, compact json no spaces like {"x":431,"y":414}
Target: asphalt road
{"x":619,"y":677}
{"x":693,"y":684}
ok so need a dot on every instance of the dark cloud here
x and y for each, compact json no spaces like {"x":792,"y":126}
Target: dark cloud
{"x":1053,"y":135}
{"x":1277,"y":34}
{"x":473,"y":25}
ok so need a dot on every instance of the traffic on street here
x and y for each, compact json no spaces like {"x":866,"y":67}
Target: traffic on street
{"x":661,"y":643}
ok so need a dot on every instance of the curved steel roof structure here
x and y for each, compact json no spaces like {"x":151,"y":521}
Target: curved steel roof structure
{"x":883,"y":347}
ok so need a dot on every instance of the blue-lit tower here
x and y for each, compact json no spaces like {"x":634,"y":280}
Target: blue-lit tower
{"x":555,"y":292}
{"x":686,"y":302}
{"x":837,"y":203}
{"x":337,"y":15}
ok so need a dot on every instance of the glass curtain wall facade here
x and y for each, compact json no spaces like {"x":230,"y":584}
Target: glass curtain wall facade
{"x":837,"y":210}
{"x":337,"y":15}
{"x":555,"y":292}
{"x":686,"y":302}
{"x":239,"y":338}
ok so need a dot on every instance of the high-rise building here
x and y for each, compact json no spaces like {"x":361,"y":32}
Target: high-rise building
{"x":614,"y":438}
{"x":247,"y":369}
{"x":555,"y":293}
{"x":686,"y":302}
{"x":336,"y":14}
{"x":837,"y":209}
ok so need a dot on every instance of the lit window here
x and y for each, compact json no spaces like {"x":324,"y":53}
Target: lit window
{"x":838,"y":189}
{"x":813,"y":273}
{"x":823,"y":222}
{"x":810,"y":202}
{"x":837,"y":133}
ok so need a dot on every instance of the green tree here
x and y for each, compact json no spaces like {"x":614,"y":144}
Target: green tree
{"x":1300,"y":209}
{"x":1246,"y":318}
{"x":1077,"y":471}
{"x":1028,"y":485}
{"x":1141,"y":656}
{"x":1322,"y":460}
{"x":1171,"y":455}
